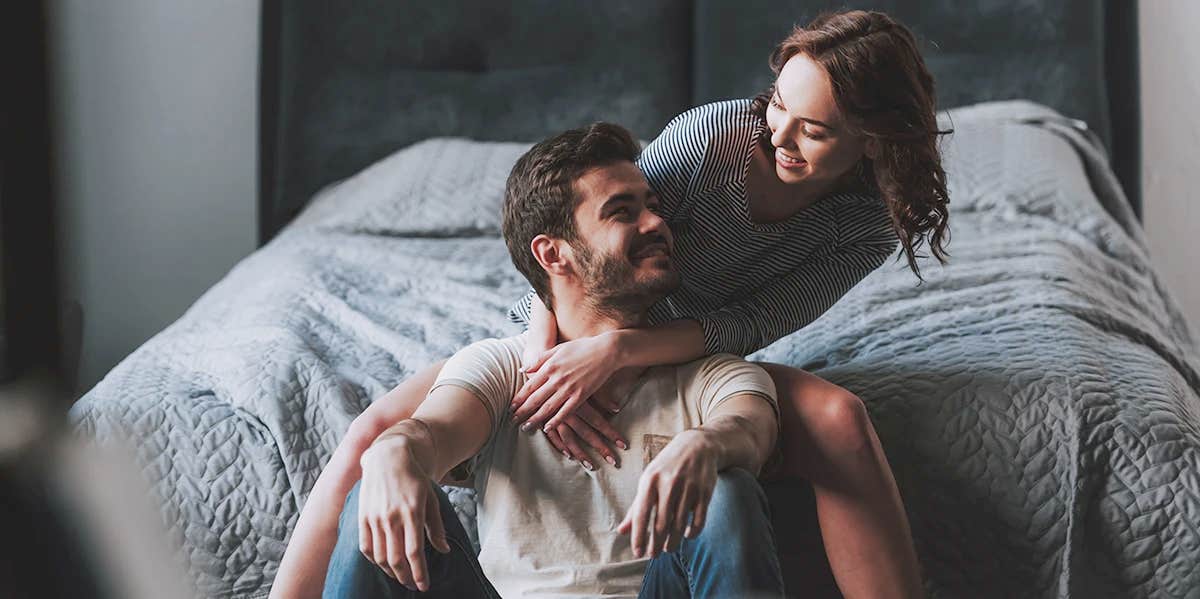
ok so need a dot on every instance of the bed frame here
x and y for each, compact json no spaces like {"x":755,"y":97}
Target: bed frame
{"x":343,"y":84}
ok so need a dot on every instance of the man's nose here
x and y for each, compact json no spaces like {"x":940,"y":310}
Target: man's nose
{"x":651,"y":223}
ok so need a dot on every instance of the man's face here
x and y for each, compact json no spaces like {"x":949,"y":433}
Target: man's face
{"x":623,"y":253}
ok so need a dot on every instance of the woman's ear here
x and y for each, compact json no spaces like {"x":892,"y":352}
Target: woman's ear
{"x":872,"y":148}
{"x":551,"y":254}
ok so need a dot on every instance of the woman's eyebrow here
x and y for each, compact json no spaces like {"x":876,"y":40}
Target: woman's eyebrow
{"x":805,"y":119}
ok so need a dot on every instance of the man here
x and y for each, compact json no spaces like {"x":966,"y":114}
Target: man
{"x":682,"y":515}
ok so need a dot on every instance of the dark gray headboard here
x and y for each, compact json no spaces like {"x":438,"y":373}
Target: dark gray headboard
{"x":345,"y":83}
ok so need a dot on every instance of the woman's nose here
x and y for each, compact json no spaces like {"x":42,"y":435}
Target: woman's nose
{"x":782,"y":137}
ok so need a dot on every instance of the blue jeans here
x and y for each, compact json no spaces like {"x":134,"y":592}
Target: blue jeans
{"x":454,"y":575}
{"x":733,"y":556}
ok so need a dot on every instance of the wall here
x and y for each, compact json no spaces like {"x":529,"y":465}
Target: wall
{"x":155,"y":133}
{"x":1170,"y":71}
{"x":156,"y":137}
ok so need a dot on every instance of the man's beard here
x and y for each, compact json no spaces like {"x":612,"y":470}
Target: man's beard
{"x":613,"y":288}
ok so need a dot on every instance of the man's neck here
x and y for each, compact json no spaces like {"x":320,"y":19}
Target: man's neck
{"x":578,"y":316}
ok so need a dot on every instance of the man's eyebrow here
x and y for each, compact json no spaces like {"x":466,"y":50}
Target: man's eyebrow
{"x":616,"y":199}
{"x":805,"y":119}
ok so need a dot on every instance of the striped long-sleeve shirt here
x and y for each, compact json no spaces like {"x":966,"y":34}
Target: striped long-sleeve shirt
{"x":748,"y":284}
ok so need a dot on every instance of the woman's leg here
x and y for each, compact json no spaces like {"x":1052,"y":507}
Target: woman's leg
{"x":828,"y":439}
{"x":302,"y":570}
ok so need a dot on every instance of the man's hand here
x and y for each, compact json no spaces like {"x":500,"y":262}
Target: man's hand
{"x":679,"y":482}
{"x":397,"y":507}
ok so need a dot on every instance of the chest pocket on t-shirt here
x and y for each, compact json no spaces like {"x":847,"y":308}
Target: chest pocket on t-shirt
{"x":652,"y":445}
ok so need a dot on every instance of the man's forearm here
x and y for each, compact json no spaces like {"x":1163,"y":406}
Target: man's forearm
{"x":413,"y":439}
{"x":738,"y":440}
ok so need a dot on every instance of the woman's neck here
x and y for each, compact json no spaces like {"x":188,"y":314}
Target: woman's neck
{"x":771,"y":200}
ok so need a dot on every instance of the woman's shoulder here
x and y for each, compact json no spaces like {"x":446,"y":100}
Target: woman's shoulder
{"x":710,"y":138}
{"x":715,"y":124}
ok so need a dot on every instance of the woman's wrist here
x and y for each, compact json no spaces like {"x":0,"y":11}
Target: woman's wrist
{"x":619,"y":353}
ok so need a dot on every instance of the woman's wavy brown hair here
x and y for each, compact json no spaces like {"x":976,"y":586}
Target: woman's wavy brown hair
{"x":881,"y":85}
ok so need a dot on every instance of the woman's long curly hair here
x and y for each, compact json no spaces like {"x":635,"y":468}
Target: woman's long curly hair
{"x":882,"y":87}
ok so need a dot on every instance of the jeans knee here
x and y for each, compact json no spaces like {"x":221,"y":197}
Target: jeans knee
{"x":738,"y":506}
{"x":348,"y":521}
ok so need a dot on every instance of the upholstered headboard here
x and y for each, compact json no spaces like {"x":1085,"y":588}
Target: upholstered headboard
{"x":345,"y":83}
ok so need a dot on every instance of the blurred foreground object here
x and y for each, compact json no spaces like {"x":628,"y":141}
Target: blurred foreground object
{"x":78,"y":520}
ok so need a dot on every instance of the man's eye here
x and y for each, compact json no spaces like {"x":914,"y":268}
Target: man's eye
{"x":621,"y":212}
{"x":655,"y":208}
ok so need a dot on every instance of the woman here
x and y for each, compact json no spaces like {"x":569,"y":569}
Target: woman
{"x":779,"y":205}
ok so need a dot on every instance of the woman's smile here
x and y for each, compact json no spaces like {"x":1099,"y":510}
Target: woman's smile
{"x":789,"y":162}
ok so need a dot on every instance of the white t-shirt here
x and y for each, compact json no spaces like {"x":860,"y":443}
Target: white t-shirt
{"x":547,"y":526}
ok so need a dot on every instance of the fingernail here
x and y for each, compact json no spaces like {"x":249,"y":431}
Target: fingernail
{"x":588,"y":465}
{"x":610,"y":460}
{"x":688,"y":531}
{"x":566,"y":454}
{"x":527,"y":427}
{"x":546,"y":429}
{"x":621,"y":444}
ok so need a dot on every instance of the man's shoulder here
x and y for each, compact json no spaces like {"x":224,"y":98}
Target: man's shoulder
{"x":702,"y":370}
{"x":495,"y":355}
{"x":515,"y":343}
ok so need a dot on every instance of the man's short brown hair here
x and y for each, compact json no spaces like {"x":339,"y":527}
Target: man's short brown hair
{"x":540,"y":197}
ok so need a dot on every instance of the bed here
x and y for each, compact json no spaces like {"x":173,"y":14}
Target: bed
{"x":1038,"y":397}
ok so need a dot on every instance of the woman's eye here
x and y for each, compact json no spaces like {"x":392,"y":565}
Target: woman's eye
{"x":776,"y":104}
{"x":814,"y":136}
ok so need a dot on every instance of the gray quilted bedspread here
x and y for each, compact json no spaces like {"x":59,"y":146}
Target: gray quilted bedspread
{"x":1038,"y":398}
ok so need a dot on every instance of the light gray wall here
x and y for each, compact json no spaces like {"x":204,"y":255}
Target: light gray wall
{"x":1170,"y":67}
{"x":155,"y":113}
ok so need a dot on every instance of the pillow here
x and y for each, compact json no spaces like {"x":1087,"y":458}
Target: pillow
{"x":439,"y":187}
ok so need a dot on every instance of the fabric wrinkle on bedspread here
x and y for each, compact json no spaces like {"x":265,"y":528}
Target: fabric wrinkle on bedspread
{"x":1038,"y":398}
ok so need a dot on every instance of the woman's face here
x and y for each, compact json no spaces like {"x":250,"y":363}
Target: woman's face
{"x":811,"y":142}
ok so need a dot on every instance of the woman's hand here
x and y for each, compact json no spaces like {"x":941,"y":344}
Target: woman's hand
{"x":588,"y":424}
{"x":563,"y":378}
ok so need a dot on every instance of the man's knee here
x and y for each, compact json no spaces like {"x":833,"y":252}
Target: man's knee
{"x":348,"y":521}
{"x":738,"y":506}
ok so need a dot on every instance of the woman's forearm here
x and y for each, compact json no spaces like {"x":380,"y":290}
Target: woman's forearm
{"x":541,"y":320}
{"x":668,"y":343}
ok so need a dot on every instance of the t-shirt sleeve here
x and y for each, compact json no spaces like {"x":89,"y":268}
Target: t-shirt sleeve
{"x":723,"y":376}
{"x":489,"y":370}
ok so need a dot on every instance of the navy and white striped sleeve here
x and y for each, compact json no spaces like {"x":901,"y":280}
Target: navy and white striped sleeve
{"x":519,"y":312}
{"x":790,"y":303}
{"x":671,"y":161}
